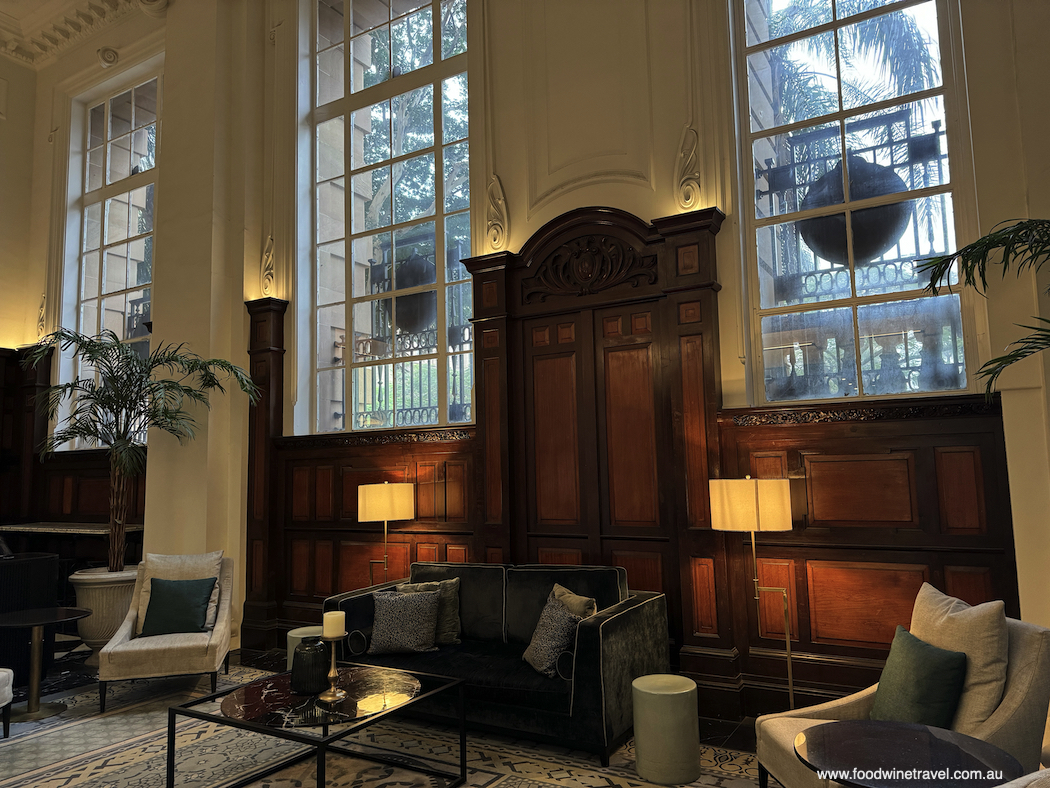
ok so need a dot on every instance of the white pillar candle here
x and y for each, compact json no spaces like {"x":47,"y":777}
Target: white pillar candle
{"x":334,"y":624}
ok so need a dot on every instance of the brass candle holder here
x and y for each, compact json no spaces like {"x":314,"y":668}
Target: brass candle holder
{"x":333,"y":694}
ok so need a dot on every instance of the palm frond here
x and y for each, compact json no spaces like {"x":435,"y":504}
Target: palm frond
{"x":1035,"y":342}
{"x":1022,"y":243}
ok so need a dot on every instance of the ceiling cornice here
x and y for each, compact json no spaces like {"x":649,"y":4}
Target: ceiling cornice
{"x":45,"y":29}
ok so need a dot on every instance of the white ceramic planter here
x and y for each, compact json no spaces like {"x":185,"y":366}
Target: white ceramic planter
{"x":108,"y":596}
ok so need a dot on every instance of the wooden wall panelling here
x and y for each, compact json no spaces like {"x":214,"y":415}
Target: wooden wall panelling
{"x":457,"y":553}
{"x":430,"y":491}
{"x":457,"y":491}
{"x":860,"y":604}
{"x":559,"y":555}
{"x":299,"y":566}
{"x":360,"y":564}
{"x":645,"y":568}
{"x":960,"y":489}
{"x":703,"y":596}
{"x":302,"y":492}
{"x":324,"y":568}
{"x":694,"y":427}
{"x":324,"y":503}
{"x":776,"y":573}
{"x":769,"y":464}
{"x":352,"y":477}
{"x":555,"y":427}
{"x":972,"y":584}
{"x":494,"y":555}
{"x":427,"y":552}
{"x":862,"y":490}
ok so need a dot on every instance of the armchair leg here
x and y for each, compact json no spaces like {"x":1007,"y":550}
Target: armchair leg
{"x":7,"y":720}
{"x":226,"y":664}
{"x":214,"y":680}
{"x":763,"y":776}
{"x":102,"y":697}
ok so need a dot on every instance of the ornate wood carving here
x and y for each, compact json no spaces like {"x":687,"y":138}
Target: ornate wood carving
{"x":959,"y":407}
{"x":588,"y":265}
{"x":373,"y":439}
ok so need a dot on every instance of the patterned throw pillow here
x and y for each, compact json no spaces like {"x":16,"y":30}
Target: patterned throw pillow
{"x":403,"y":623}
{"x":582,"y":606}
{"x":448,"y":607}
{"x":554,"y":633}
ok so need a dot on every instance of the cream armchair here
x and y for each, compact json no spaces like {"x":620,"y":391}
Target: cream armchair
{"x":1016,"y":725}
{"x":130,"y":657}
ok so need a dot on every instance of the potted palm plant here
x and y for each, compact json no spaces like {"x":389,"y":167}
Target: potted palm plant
{"x":118,"y":394}
{"x":1024,"y":244}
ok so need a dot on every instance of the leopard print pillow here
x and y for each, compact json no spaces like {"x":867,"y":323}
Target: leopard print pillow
{"x":403,"y":623}
{"x":554,"y":633}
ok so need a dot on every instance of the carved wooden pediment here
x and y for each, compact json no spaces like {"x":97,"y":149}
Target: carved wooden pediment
{"x":587,"y":265}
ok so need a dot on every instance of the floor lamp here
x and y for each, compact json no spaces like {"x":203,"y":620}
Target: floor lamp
{"x":756,"y":505}
{"x":385,"y":502}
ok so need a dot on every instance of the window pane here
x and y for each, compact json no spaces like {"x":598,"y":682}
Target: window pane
{"x":912,"y":346}
{"x":402,"y":7}
{"x":909,"y":138}
{"x":330,"y":149}
{"x":457,"y":177}
{"x":374,"y":397}
{"x":331,"y":273}
{"x":413,"y":120}
{"x":115,"y":269}
{"x":331,"y":219}
{"x":372,"y":257}
{"x":331,"y":405}
{"x":928,"y":230}
{"x":809,"y":355}
{"x":117,"y":218}
{"x":89,"y":275}
{"x":371,"y":130}
{"x":143,"y":149}
{"x":792,"y":170}
{"x":113,"y":315}
{"x":371,"y":199}
{"x":848,"y":8}
{"x":330,"y":75}
{"x":890,"y":55}
{"x":141,"y":211}
{"x":416,"y":393}
{"x":371,"y":58}
{"x":794,"y":265}
{"x":454,"y":120}
{"x":765,"y":21}
{"x":138,"y":313}
{"x":92,"y":226}
{"x":94,"y":169}
{"x":414,"y":256}
{"x":412,"y":42}
{"x":120,"y":115}
{"x":414,"y":192}
{"x":457,"y":246}
{"x":372,"y":330}
{"x":415,"y":317}
{"x":89,"y":318}
{"x":331,"y":335}
{"x":460,"y":387}
{"x":793,"y":82}
{"x":119,"y":159}
{"x":329,"y":23}
{"x":453,"y":28}
{"x":458,"y":311}
{"x":96,"y":125}
{"x":368,"y":14}
{"x":140,"y":262}
{"x":146,"y":104}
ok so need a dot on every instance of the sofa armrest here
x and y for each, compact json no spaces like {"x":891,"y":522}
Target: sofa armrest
{"x":359,"y":609}
{"x":613,"y":648}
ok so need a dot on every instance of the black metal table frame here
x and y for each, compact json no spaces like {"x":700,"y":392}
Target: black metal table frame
{"x":323,"y":744}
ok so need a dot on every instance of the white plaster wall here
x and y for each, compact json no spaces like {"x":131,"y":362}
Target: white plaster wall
{"x":17,"y":86}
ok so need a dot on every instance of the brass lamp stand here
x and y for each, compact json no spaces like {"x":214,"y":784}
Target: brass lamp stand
{"x":756,"y":505}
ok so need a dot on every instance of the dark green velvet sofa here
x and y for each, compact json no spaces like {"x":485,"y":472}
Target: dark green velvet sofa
{"x":589,"y":709}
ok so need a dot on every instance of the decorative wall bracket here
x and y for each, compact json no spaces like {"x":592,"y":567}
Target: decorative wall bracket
{"x":687,"y":171}
{"x":498,"y":220}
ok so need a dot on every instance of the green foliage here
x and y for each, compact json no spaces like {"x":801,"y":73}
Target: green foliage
{"x":1023,"y":244}
{"x":125,"y":395}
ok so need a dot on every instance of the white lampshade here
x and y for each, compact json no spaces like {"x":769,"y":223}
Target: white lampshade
{"x":386,"y":501}
{"x":750,"y":504}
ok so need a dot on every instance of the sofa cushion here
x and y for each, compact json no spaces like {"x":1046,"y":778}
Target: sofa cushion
{"x":481,"y":595}
{"x":980,"y":633}
{"x":404,"y":622}
{"x":447,"y":631}
{"x":920,"y":683}
{"x":529,"y":586}
{"x":554,"y":633}
{"x":177,"y":606}
{"x":180,"y":567}
{"x":581,"y":606}
{"x":494,"y":672}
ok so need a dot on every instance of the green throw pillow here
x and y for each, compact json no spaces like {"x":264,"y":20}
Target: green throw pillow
{"x":920,"y":683}
{"x":177,"y":606}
